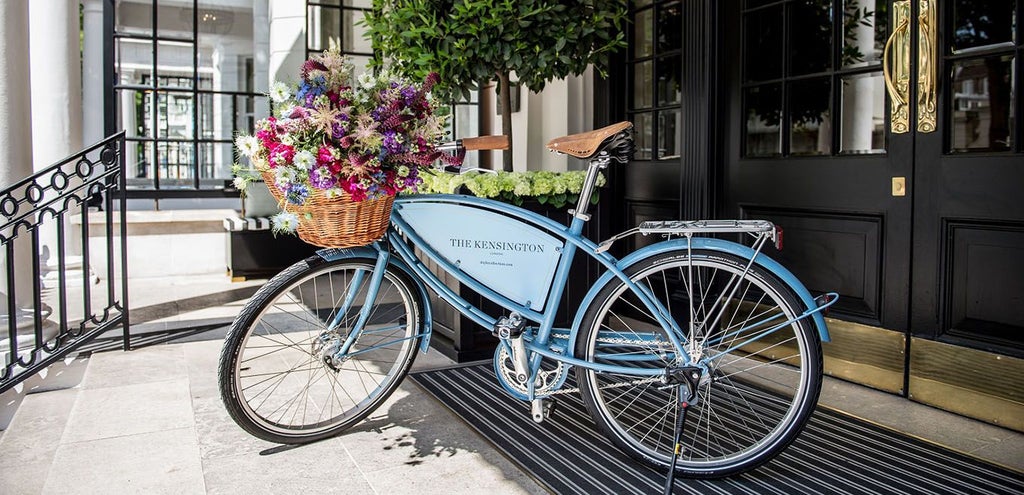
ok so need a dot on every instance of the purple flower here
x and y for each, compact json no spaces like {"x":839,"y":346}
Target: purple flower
{"x":391,"y":143}
{"x":321,"y":178}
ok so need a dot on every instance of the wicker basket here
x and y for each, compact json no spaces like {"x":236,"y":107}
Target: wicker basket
{"x":337,"y":222}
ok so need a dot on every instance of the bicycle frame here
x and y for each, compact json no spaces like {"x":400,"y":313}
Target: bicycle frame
{"x":403,"y":237}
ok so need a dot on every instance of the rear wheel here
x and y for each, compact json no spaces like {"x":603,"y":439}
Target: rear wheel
{"x":760,"y":377}
{"x":282,"y":375}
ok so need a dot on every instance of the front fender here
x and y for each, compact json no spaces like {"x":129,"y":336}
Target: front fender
{"x":712,"y":244}
{"x":372,"y":252}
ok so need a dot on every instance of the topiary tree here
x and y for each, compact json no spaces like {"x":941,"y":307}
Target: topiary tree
{"x":471,"y":41}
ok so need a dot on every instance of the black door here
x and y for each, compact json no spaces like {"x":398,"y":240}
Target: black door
{"x":968,"y":256}
{"x":808,"y":146}
{"x":899,"y":184}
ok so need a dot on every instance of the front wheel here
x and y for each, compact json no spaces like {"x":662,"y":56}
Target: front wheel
{"x":760,"y":376}
{"x":285,"y":375}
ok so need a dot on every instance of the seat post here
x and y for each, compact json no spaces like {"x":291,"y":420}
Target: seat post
{"x":595,"y":165}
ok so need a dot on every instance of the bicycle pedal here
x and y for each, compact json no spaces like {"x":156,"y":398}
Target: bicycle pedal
{"x":542,"y":409}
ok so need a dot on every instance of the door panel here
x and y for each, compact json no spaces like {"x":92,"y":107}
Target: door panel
{"x":969,"y":215}
{"x":808,"y":148}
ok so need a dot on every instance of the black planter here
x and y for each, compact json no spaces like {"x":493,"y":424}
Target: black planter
{"x":462,"y":340}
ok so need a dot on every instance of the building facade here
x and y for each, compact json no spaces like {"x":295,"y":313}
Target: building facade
{"x":882,"y":135}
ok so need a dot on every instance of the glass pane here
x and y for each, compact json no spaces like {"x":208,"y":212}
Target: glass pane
{"x":643,"y":34}
{"x":983,"y":103}
{"x":641,"y":3}
{"x":865,"y":27}
{"x":669,"y":71}
{"x":670,"y":130}
{"x":174,"y":115}
{"x":132,"y":112}
{"x":352,"y":33}
{"x":643,"y":75}
{"x":810,"y":117}
{"x":863,"y":113}
{"x":643,"y":131}
{"x":135,"y":18}
{"x":763,"y":108}
{"x":174,"y":164}
{"x":215,"y":161}
{"x":670,"y":27}
{"x":138,"y":161}
{"x":323,"y":28}
{"x":134,"y":61}
{"x":222,"y":116}
{"x":225,"y":59}
{"x":763,"y":35}
{"x":982,"y":23}
{"x":175,"y":64}
{"x":810,"y":36}
{"x":360,"y":63}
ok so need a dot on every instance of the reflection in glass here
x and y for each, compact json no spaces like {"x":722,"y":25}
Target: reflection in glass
{"x":643,"y":34}
{"x":669,"y":134}
{"x":669,"y":69}
{"x":810,"y":117}
{"x":763,"y":107}
{"x":643,"y":74}
{"x":865,"y":26}
{"x":982,"y":22}
{"x":643,"y":131}
{"x":863,"y":114}
{"x":762,"y":53}
{"x":138,"y":160}
{"x":810,"y":43}
{"x":670,"y":27}
{"x":322,"y":28}
{"x":174,"y":164}
{"x":983,"y":100}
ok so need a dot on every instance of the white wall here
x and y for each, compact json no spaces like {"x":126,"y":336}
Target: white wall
{"x":564,"y":107}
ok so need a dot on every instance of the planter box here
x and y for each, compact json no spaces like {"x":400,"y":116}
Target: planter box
{"x":252,"y":251}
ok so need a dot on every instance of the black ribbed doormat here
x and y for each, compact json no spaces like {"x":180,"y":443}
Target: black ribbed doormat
{"x":835,"y":454}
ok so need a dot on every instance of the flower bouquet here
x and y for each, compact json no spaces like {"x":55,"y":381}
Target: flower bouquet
{"x":340,"y":149}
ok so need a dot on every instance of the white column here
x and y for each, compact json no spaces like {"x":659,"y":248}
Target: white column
{"x":287,"y":39}
{"x":261,"y":56}
{"x":225,"y":78}
{"x":15,"y":134}
{"x":92,"y":71}
{"x":56,"y":82}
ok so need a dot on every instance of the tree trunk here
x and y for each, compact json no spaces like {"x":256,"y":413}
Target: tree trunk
{"x":505,"y":100}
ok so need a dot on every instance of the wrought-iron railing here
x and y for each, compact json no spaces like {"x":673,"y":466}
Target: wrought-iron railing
{"x":64,"y":280}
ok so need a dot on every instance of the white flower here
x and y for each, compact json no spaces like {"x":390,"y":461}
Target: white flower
{"x":248,"y":145}
{"x":240,"y":183}
{"x":366,"y":80}
{"x":333,"y":193}
{"x":279,"y":92}
{"x":284,"y":175}
{"x":286,"y":112}
{"x":284,"y":222}
{"x":304,"y":160}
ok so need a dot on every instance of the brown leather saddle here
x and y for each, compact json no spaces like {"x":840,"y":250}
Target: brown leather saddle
{"x":586,"y":144}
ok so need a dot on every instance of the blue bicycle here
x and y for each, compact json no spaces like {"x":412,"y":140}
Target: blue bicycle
{"x":694,"y":352}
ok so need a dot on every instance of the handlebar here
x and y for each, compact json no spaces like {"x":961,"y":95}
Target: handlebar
{"x":499,"y":142}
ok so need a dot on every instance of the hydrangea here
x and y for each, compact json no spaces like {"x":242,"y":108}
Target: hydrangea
{"x":553,"y":188}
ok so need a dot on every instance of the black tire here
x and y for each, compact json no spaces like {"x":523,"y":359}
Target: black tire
{"x":273,"y":378}
{"x":753,"y":399}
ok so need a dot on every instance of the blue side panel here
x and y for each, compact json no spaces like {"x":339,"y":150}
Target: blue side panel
{"x":333,"y":254}
{"x":715,"y":245}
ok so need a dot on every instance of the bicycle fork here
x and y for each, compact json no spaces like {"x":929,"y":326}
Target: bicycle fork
{"x":334,"y":351}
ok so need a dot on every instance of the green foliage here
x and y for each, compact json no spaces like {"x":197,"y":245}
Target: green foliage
{"x":470,"y":41}
{"x":551,"y":188}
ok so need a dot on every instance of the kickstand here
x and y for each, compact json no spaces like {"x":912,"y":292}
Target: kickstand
{"x":677,"y":445}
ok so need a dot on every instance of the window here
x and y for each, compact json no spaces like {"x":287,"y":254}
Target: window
{"x":655,"y":66}
{"x":185,"y":89}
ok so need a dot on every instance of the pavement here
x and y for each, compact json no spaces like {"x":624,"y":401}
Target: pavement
{"x":150,"y":421}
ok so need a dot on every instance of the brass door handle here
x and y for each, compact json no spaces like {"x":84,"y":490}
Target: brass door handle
{"x":897,"y":79}
{"x":926,"y":62}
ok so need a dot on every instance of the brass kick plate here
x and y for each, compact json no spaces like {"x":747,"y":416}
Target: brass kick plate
{"x":899,"y":186}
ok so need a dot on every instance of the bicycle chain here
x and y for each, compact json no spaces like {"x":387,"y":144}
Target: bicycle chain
{"x":616,"y":341}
